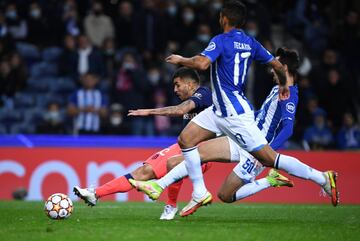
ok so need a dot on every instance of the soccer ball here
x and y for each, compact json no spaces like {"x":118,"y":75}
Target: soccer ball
{"x":58,"y":206}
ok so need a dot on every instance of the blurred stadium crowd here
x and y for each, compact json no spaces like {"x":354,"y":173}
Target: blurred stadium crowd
{"x":77,"y":67}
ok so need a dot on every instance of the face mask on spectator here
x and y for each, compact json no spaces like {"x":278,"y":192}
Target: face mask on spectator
{"x":154,"y":78}
{"x":128,"y":66}
{"x":172,"y":10}
{"x":116,"y":120}
{"x":109,"y":52}
{"x":192,"y":1}
{"x":252,"y":33}
{"x":12,"y":14}
{"x":35,"y":13}
{"x":203,"y":38}
{"x":53,"y":116}
{"x":189,"y":17}
{"x":216,"y":6}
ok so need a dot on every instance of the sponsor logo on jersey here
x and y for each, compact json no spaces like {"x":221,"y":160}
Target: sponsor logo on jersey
{"x":189,"y":116}
{"x":211,"y":46}
{"x":198,"y":95}
{"x":290,"y":107}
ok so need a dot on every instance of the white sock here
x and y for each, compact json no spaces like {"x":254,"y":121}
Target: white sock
{"x":193,"y":167}
{"x":251,"y":188}
{"x":296,"y":168}
{"x":174,"y":175}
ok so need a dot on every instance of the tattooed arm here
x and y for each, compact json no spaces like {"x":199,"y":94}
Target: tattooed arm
{"x":176,"y":110}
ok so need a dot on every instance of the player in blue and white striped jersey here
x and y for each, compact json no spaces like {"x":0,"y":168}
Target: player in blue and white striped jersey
{"x":229,"y":55}
{"x":275,"y":119}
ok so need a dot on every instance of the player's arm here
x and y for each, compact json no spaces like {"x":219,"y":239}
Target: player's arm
{"x":284,"y":91}
{"x":280,"y":71}
{"x":197,"y":62}
{"x":288,"y":110}
{"x":285,"y":133}
{"x":176,"y":110}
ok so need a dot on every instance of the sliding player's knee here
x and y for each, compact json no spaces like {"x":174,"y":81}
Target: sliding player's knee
{"x":171,"y":163}
{"x":225,"y":197}
{"x":143,"y":173}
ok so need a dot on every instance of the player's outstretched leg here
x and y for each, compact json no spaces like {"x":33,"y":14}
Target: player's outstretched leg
{"x":330,"y":187}
{"x":327,"y":180}
{"x":275,"y":179}
{"x":86,"y":194}
{"x":150,"y":188}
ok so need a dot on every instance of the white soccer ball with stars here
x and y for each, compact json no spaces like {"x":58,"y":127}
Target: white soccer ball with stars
{"x":58,"y":206}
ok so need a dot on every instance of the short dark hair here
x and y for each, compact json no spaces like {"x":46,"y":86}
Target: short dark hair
{"x":185,"y":72}
{"x":235,"y":11}
{"x":289,"y":57}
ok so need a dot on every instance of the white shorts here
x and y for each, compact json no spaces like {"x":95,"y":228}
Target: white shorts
{"x":248,"y":168}
{"x":242,"y":129}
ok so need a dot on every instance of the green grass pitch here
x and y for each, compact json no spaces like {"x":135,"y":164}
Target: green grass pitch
{"x":220,"y":222}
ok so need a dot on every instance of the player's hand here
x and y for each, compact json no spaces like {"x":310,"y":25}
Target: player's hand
{"x":284,"y":92}
{"x":139,"y":112}
{"x":174,"y":59}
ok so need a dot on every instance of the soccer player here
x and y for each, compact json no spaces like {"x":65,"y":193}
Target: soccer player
{"x":220,"y":149}
{"x":275,"y":119}
{"x":229,"y":55}
{"x":195,"y":99}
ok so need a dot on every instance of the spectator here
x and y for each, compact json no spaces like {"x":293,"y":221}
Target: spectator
{"x":306,"y":115}
{"x":52,"y":122}
{"x":162,"y":123}
{"x":37,"y":26}
{"x":171,"y":20}
{"x":116,"y":124}
{"x":108,"y":50}
{"x":68,"y":58}
{"x":260,"y":15}
{"x":197,"y":45}
{"x":18,"y":71}
{"x":98,"y":26}
{"x":87,"y":106}
{"x":349,"y":135}
{"x":124,"y":24}
{"x":347,"y":36}
{"x":329,"y":61}
{"x":318,"y":136}
{"x":187,"y":26}
{"x":16,"y":26}
{"x":7,"y":87}
{"x":89,"y":59}
{"x":132,"y":91}
{"x":3,"y":27}
{"x":13,"y":76}
{"x":71,"y":21}
{"x":334,"y":97}
{"x":150,"y":37}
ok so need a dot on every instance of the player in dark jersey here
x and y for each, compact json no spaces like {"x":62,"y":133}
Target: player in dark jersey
{"x":195,"y":99}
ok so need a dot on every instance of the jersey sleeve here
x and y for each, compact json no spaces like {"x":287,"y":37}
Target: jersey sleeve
{"x":288,"y":107}
{"x":214,"y":49}
{"x":202,"y":98}
{"x":261,"y":54}
{"x":288,"y":110}
{"x":286,"y":130}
